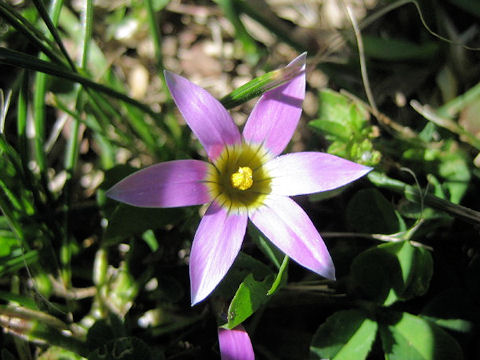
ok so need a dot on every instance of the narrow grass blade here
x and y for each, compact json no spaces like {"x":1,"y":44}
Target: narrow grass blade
{"x":261,"y":12}
{"x":232,"y":13}
{"x":19,"y":59}
{"x":36,"y":38}
{"x":52,"y":23}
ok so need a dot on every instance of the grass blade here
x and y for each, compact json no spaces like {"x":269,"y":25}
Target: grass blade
{"x":19,"y":59}
{"x":36,"y":38}
{"x":56,"y":6}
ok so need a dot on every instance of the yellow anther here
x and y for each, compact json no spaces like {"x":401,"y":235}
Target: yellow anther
{"x":243,"y":178}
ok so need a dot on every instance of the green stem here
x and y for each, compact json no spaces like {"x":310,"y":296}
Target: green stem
{"x":73,"y":144}
{"x":413,"y":194}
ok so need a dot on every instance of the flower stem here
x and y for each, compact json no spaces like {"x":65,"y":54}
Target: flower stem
{"x":413,"y":194}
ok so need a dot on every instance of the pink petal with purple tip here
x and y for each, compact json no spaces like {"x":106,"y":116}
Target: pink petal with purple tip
{"x":311,"y":172}
{"x":216,"y":244}
{"x":275,"y":116}
{"x":287,"y":226}
{"x":205,"y":115}
{"x":167,"y":184}
{"x":235,"y":344}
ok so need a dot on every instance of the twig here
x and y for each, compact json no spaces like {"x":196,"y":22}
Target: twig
{"x":361,"y":54}
{"x":72,"y":293}
{"x":380,"y":237}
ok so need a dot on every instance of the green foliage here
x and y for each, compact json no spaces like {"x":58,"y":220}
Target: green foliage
{"x":369,"y":212}
{"x":346,"y":334}
{"x":453,"y":310}
{"x":345,"y":123}
{"x":405,"y":336}
{"x":451,"y":165}
{"x":252,"y":294}
{"x":392,"y":272}
{"x":82,"y":277}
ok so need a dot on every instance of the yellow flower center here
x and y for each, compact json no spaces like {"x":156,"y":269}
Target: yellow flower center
{"x":237,"y":179}
{"x":242,"y":179}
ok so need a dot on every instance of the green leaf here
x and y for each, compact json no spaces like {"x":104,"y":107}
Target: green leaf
{"x":455,"y":170}
{"x":332,"y":129}
{"x":369,"y":212}
{"x":406,"y":336}
{"x":347,"y":334}
{"x":392,"y":272}
{"x":420,"y":275}
{"x":342,"y":116}
{"x":22,"y":300}
{"x":17,"y":260}
{"x":251,"y":294}
{"x":345,"y":123}
{"x":8,"y":243}
{"x":453,"y":309}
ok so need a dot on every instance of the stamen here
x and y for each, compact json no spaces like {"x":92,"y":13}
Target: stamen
{"x":243,"y":178}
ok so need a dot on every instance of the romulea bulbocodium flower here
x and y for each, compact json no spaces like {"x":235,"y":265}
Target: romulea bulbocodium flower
{"x":237,"y":179}
{"x":250,"y":180}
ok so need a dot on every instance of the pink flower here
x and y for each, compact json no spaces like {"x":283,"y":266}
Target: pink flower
{"x":246,"y":178}
{"x":235,"y":344}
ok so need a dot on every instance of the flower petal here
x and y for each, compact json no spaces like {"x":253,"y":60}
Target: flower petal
{"x":310,"y":172}
{"x":216,"y":244}
{"x":275,"y":116}
{"x":167,"y":184}
{"x":235,"y":344}
{"x":292,"y":231}
{"x":205,"y":115}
